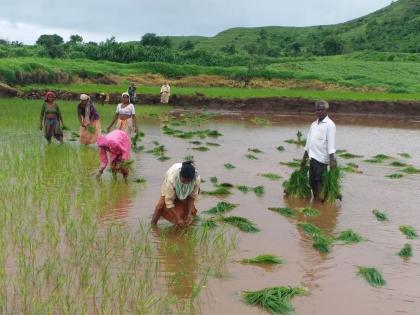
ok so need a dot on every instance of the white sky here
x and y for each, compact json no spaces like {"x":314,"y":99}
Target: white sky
{"x":96,"y":20}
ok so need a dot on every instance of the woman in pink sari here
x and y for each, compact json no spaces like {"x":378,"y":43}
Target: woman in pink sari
{"x":114,"y":148}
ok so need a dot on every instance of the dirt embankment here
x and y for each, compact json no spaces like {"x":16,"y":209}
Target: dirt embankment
{"x":279,"y":105}
{"x":7,"y":91}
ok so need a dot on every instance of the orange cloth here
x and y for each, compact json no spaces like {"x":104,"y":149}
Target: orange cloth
{"x":180,"y":209}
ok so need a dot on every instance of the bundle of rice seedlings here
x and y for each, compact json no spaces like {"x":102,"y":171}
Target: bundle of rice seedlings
{"x":340,"y":151}
{"x":156,"y":143}
{"x":241,"y":223}
{"x":410,"y":170}
{"x":212,"y":144}
{"x":140,"y":180}
{"x":139,"y":148}
{"x":298,"y":141}
{"x":221,"y":207}
{"x":298,"y":184}
{"x":280,"y":148}
{"x":259,"y":190}
{"x":381,"y":216}
{"x":405,"y":155}
{"x":219,"y":191}
{"x":406,"y":251}
{"x":208,"y":224}
{"x":351,"y":168}
{"x":189,"y":158}
{"x":398,"y":164}
{"x":127,"y":164}
{"x":229,"y":166}
{"x":227,"y":185}
{"x":213,"y":133}
{"x":395,"y":175}
{"x":379,"y":158}
{"x":408,"y":231}
{"x":260,"y":121}
{"x":331,"y":186}
{"x":372,"y":276}
{"x":196,"y":142}
{"x":213,"y":179}
{"x":349,"y":156}
{"x":255,"y":150}
{"x":309,"y":228}
{"x":157,"y":151}
{"x":244,"y":188}
{"x":294,"y":164}
{"x":266,"y":259}
{"x":276,"y":300}
{"x":271,"y":176}
{"x":349,"y":237}
{"x":286,"y":212}
{"x":309,"y":212}
{"x":251,"y":157}
{"x":321,"y":243}
{"x":163,"y":158}
{"x":202,"y":149}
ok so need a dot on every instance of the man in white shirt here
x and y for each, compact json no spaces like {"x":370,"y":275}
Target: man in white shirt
{"x":165,"y":92}
{"x":320,"y":147}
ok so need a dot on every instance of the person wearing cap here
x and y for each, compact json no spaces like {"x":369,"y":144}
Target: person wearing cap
{"x":90,"y":126}
{"x":165,"y":92}
{"x":125,"y":116}
{"x":114,"y":148}
{"x":51,"y":119}
{"x":320,"y":147}
{"x":179,"y":192}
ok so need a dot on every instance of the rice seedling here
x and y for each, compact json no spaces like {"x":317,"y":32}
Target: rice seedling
{"x":347,"y":155}
{"x":298,"y":141}
{"x":276,"y":300}
{"x":140,"y":180}
{"x":134,"y":139}
{"x":309,"y":228}
{"x":293,"y":164}
{"x":163,"y":158}
{"x":298,"y":184}
{"x":260,"y":121}
{"x":406,"y":251}
{"x":196,"y":142}
{"x":398,"y":164}
{"x":208,"y":224}
{"x":349,"y":237}
{"x":405,"y":155}
{"x":212,"y":144}
{"x":219,"y":191}
{"x":372,"y":276}
{"x":351,"y":168}
{"x":202,"y":149}
{"x":382,"y":157}
{"x":189,"y":158}
{"x":213,"y":180}
{"x":408,"y":231}
{"x":340,"y":151}
{"x":271,"y":176}
{"x":255,"y":150}
{"x":395,"y":175}
{"x":259,"y":191}
{"x":266,"y":259}
{"x":381,"y":216}
{"x":331,"y":186}
{"x":244,"y":189}
{"x":251,"y":157}
{"x":229,"y":166}
{"x":309,"y":212}
{"x":242,"y":224}
{"x":321,"y":243}
{"x":221,"y":207}
{"x":280,"y":148}
{"x":226,"y":185}
{"x":286,"y":212}
{"x":410,"y":170}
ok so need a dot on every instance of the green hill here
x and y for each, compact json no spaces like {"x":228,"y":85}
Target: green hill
{"x":395,"y":28}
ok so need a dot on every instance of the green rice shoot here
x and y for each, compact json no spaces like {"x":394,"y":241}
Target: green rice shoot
{"x":321,"y":243}
{"x":372,"y":276}
{"x":406,"y":251}
{"x":348,"y":156}
{"x":410,"y":170}
{"x":286,"y":212}
{"x":251,"y":157}
{"x":244,"y":189}
{"x":349,"y":237}
{"x":242,"y":224}
{"x":405,"y":155}
{"x":213,"y":180}
{"x":395,"y":175}
{"x":266,"y":259}
{"x":409,"y":231}
{"x":398,"y":164}
{"x":309,"y":228}
{"x":259,"y":190}
{"x":271,"y":176}
{"x":309,"y":212}
{"x":280,"y":148}
{"x":293,"y":164}
{"x":298,"y":184}
{"x":276,"y":300}
{"x":229,"y":166}
{"x":255,"y":150}
{"x":208,"y":224}
{"x":219,"y":191}
{"x":381,"y":216}
{"x":331,"y":187}
{"x":201,"y":149}
{"x":221,"y":207}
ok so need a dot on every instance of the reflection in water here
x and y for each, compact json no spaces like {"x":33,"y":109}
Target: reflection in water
{"x":118,"y":201}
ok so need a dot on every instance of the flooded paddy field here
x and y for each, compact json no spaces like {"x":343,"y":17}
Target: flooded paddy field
{"x":73,"y":245}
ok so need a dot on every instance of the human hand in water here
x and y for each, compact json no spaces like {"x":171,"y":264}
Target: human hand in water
{"x":99,"y":174}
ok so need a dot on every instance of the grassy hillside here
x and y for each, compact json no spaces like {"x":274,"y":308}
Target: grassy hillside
{"x":395,"y":28}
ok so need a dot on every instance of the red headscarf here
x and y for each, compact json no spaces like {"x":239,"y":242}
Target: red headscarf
{"x":49,"y":94}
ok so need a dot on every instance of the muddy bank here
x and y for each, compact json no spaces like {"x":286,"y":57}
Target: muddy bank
{"x":282,"y":105}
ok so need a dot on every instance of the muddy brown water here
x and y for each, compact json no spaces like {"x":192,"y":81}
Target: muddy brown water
{"x":334,"y":286}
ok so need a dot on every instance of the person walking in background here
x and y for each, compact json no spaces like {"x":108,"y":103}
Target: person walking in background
{"x":51,"y":119}
{"x":132,"y":93}
{"x":320,"y":147}
{"x":165,"y":92}
{"x":125,"y":116}
{"x":118,"y":145}
{"x":90,"y":126}
{"x":179,"y":192}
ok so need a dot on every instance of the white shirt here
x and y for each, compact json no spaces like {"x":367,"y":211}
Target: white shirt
{"x":127,"y":110}
{"x":320,"y":142}
{"x":165,"y":89}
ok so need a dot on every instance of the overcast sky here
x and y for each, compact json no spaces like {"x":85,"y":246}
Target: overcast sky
{"x":96,"y":20}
